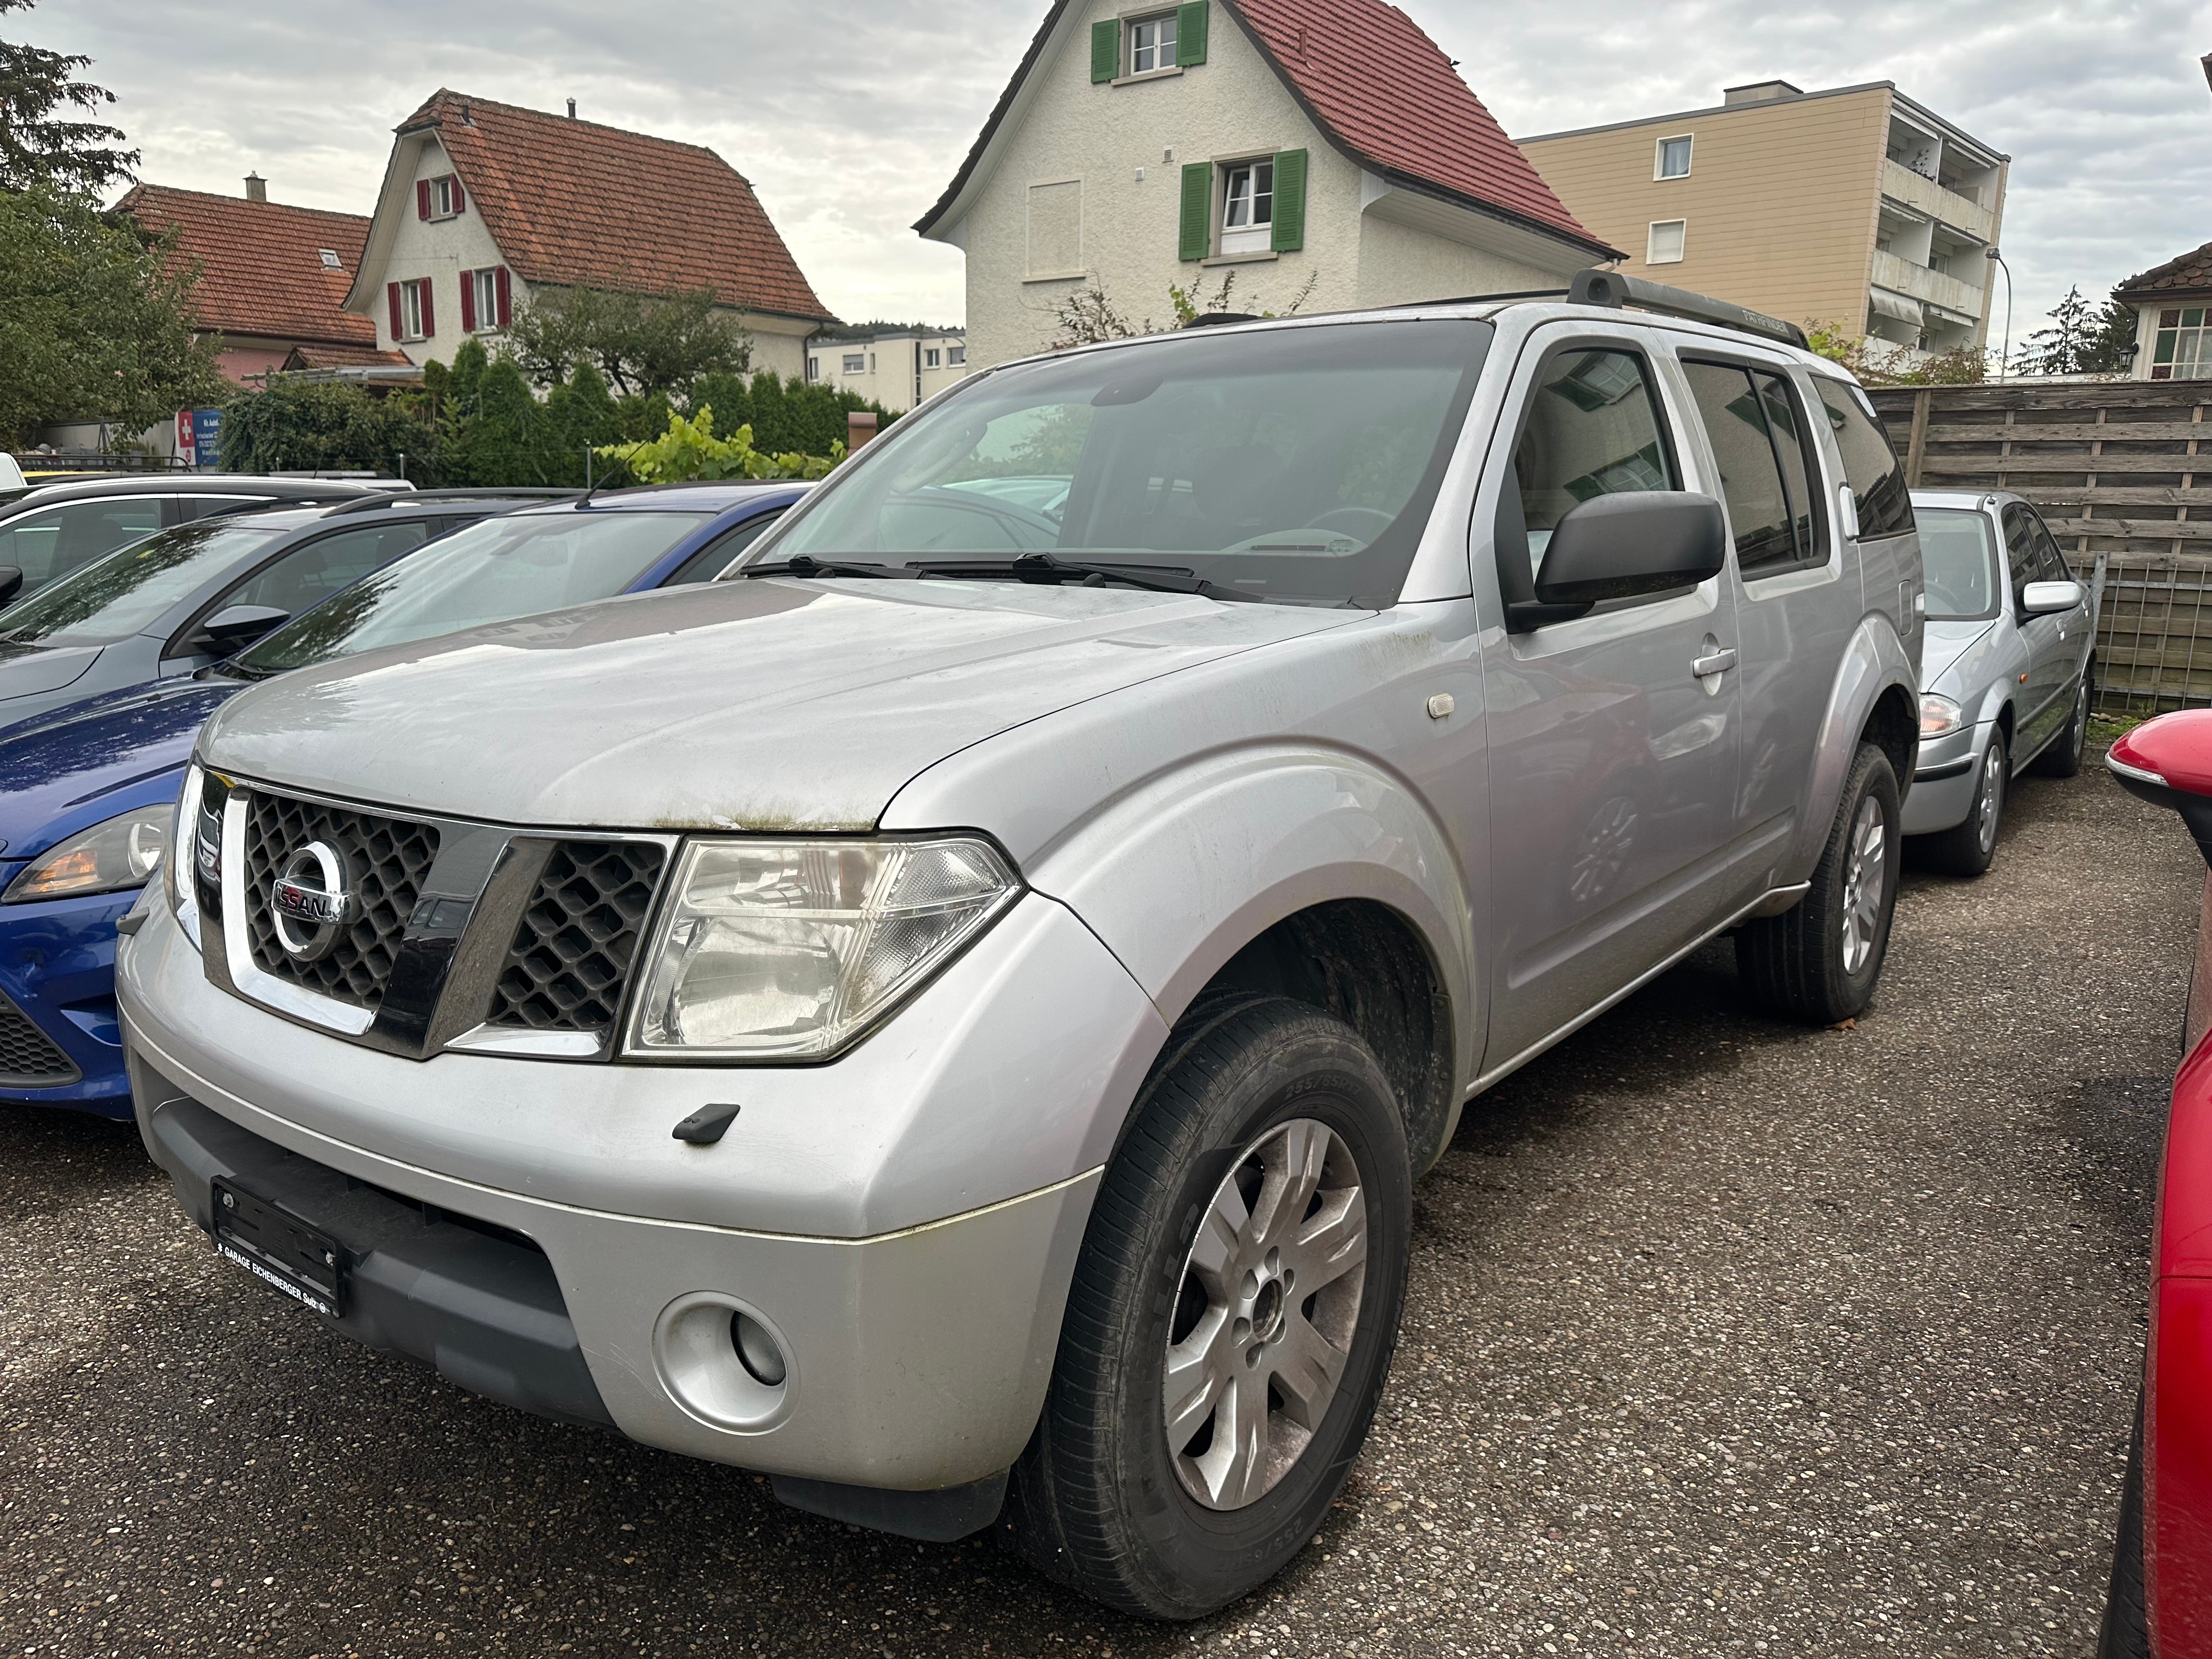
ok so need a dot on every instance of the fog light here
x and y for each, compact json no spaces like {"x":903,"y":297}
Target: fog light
{"x":722,"y":1361}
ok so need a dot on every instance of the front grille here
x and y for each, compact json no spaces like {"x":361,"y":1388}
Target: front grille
{"x":29,"y":1058}
{"x":386,"y":861}
{"x":579,"y":935}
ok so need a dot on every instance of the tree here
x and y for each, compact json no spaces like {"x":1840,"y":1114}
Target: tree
{"x":1878,"y":363}
{"x":786,"y":415}
{"x":639,"y":344}
{"x":2111,"y":348}
{"x":318,"y":425}
{"x":96,"y":321}
{"x":2059,"y":348}
{"x":36,"y":146}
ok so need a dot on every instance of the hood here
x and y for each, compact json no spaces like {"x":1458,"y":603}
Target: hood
{"x":27,"y":670}
{"x":66,"y":770}
{"x":1943,"y":643}
{"x":768,"y":704}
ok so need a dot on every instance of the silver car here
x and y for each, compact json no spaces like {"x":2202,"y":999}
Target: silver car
{"x":2005,"y":675}
{"x":950,"y":1014}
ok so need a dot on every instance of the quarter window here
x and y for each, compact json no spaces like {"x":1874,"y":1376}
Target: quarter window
{"x":1673,"y":158}
{"x":1594,"y":428}
{"x":2182,"y":348}
{"x":2019,"y":549}
{"x":1759,"y":442}
{"x":1152,"y":44}
{"x":1877,"y":477}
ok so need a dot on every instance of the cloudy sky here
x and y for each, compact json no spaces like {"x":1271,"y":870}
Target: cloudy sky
{"x":850,"y":117}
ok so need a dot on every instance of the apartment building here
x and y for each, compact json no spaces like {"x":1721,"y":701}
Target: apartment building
{"x":895,"y":370}
{"x":1855,"y":206}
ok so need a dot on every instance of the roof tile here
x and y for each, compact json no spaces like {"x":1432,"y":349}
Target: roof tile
{"x":573,"y":202}
{"x":261,"y":264}
{"x":2189,"y":274}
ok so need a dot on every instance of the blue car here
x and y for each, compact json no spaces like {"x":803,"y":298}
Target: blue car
{"x":87,"y":792}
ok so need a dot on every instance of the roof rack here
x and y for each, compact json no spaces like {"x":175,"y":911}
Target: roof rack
{"x":407,"y":498}
{"x":1615,"y":291}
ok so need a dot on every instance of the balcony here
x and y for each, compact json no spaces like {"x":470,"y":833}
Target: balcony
{"x":1903,"y":276}
{"x":1923,"y":195}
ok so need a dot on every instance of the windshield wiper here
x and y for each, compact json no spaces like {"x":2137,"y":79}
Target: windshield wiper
{"x":1153,"y":578}
{"x":806,"y":565}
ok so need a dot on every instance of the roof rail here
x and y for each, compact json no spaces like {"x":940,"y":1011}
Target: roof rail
{"x":1614,"y":290}
{"x":1222,"y":318}
{"x":407,"y":498}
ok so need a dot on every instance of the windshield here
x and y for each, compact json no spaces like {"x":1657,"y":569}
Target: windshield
{"x":1292,"y":463}
{"x":1960,"y":559}
{"x":493,"y":571}
{"x":133,"y":587}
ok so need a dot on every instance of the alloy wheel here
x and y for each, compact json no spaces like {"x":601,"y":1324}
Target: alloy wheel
{"x":1265,"y":1314}
{"x":1991,"y":806}
{"x":1864,"y":880}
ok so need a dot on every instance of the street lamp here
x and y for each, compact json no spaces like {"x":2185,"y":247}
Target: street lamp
{"x":2004,"y":354}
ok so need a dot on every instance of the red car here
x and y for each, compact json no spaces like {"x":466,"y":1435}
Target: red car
{"x":2162,"y":1598}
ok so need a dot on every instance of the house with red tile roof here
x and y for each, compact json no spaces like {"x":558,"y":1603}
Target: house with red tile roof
{"x":485,"y":203}
{"x":2173,"y":318}
{"x":272,"y":278}
{"x":1321,"y":153}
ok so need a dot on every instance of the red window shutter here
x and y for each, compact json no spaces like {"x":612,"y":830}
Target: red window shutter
{"x":392,"y":293}
{"x":429,"y":323}
{"x":422,"y":198}
{"x":468,"y":302}
{"x":506,"y":297}
{"x":460,"y":196}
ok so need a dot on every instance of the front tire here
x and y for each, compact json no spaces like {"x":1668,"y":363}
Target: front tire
{"x":2126,"y":1633}
{"x":2062,"y":759}
{"x":1966,"y":848}
{"x":1819,"y":961}
{"x":1232,"y":1318}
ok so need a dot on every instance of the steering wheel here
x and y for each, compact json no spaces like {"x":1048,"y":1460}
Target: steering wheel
{"x":1365,"y":522}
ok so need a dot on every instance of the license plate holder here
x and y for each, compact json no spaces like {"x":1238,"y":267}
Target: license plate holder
{"x":278,"y":1247}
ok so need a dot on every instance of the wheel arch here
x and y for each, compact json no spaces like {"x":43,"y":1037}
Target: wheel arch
{"x":1874,"y":697}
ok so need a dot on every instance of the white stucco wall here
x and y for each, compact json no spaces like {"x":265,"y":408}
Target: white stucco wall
{"x":440,"y":249}
{"x":1232,"y":106}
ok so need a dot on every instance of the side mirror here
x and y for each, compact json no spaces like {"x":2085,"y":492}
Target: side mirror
{"x":2042,"y":598}
{"x":11,"y":582}
{"x":1639,"y":540}
{"x":233,"y":628}
{"x":2168,"y":761}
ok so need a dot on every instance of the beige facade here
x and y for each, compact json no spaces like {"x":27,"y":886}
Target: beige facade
{"x":896,"y":370}
{"x":1077,"y":188}
{"x":1855,"y":207}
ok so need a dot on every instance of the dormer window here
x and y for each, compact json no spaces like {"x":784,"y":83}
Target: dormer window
{"x":441,"y":197}
{"x":330,"y":257}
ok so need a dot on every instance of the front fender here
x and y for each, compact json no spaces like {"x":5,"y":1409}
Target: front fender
{"x":1179,"y":874}
{"x":1874,"y":660}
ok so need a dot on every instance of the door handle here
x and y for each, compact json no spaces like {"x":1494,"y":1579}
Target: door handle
{"x":1716,"y":662}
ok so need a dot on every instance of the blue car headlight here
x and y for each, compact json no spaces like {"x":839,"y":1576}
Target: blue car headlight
{"x":112,"y":857}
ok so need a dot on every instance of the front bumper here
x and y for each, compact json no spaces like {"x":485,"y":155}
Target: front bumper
{"x":57,"y":970}
{"x":920,"y":1332}
{"x":1943,"y":781}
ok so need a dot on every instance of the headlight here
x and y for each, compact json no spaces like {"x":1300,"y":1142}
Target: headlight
{"x":108,"y":857}
{"x":789,"y":949}
{"x":184,"y":840}
{"x":1939,"y":715}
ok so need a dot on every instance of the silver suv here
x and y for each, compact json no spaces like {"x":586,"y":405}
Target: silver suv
{"x":949,"y":1015}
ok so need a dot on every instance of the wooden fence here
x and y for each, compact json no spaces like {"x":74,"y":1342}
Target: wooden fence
{"x":2122,"y":472}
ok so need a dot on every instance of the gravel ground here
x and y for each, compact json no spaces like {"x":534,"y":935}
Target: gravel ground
{"x":1723,"y":1338}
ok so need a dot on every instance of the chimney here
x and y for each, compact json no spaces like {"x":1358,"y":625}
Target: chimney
{"x":257,"y":188}
{"x":1760,"y":92}
{"x":572,"y":109}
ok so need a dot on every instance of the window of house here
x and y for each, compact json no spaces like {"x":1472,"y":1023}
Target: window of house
{"x":484,"y":299}
{"x":412,"y":317}
{"x":855,"y":363}
{"x":2182,"y":348}
{"x":932,"y":358}
{"x":1151,"y":44}
{"x":1759,"y":440}
{"x":1247,"y":213}
{"x":956,"y":356}
{"x":1673,"y":158}
{"x":329,"y":257}
{"x":1594,"y":428}
{"x":441,"y":197}
{"x":813,"y":368}
{"x":1663,"y":244}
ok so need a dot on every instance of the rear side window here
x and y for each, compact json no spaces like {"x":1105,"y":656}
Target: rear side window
{"x":1594,"y":428}
{"x":1758,"y":438}
{"x":1877,"y":479}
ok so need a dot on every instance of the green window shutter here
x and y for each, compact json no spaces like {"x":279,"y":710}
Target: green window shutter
{"x":1197,"y":227}
{"x":1289,"y":232}
{"x":1105,"y":50}
{"x":1190,"y":34}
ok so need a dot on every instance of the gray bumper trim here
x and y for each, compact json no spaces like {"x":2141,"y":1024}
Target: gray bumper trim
{"x":935,"y":1518}
{"x":1947,"y":770}
{"x":484,"y":1309}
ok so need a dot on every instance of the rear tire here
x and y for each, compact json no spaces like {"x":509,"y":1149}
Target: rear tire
{"x":2126,"y":1633}
{"x":1966,"y":848}
{"x":2062,"y":759}
{"x":1819,"y":961}
{"x":1232,"y":1319}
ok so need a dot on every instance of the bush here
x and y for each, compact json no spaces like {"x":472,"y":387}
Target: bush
{"x":690,"y":450}
{"x":786,"y":415}
{"x":329,"y":425}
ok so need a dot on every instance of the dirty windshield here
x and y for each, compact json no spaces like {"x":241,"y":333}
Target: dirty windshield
{"x":490,"y":572}
{"x":133,"y":587}
{"x":1294,"y":464}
